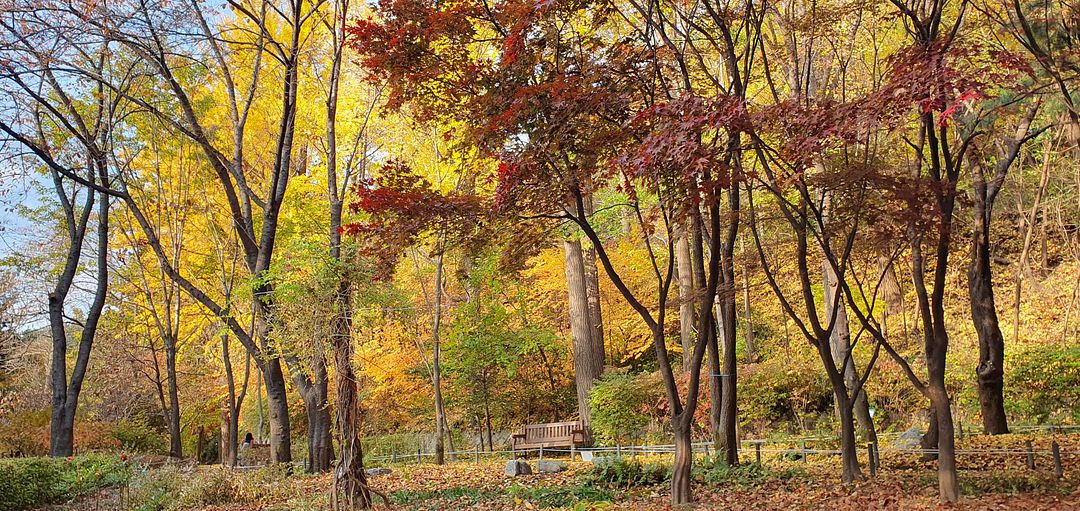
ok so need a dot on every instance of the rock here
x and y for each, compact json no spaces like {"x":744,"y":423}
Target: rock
{"x":550,"y":466}
{"x":603,"y":461}
{"x":517,"y":468}
{"x":373,"y":472}
{"x":909,"y":439}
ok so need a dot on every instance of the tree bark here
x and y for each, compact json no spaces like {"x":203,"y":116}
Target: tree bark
{"x":176,"y":449}
{"x":686,"y":295}
{"x":441,"y":430}
{"x":840,"y":348}
{"x":588,"y":357}
{"x":65,"y":393}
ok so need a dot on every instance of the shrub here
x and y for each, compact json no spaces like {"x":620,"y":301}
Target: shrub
{"x":784,"y":388}
{"x":171,"y":488}
{"x":1045,"y":383}
{"x":621,"y":406}
{"x":618,"y":471}
{"x":25,"y":433}
{"x":136,"y":435}
{"x":32,"y":482}
{"x":744,"y":475}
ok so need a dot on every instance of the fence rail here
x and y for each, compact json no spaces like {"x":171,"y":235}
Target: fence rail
{"x":757,"y":448}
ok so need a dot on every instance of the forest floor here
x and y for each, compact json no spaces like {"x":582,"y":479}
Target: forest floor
{"x":993,"y":473}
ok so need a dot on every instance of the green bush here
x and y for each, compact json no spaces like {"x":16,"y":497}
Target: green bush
{"x":749,"y":474}
{"x":136,"y":435}
{"x":618,"y":471}
{"x":1045,"y":383}
{"x":782,"y":388}
{"x":560,"y":496}
{"x":32,"y":482}
{"x":620,"y":406}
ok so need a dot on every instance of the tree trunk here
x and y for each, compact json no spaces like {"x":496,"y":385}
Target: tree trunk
{"x":948,"y":486}
{"x":65,"y":393}
{"x":441,"y":431}
{"x":840,"y":348}
{"x":176,"y":449}
{"x":320,"y":443}
{"x":684,"y":457}
{"x":990,"y":372}
{"x":588,"y":357}
{"x":849,"y":459}
{"x":278,"y":406}
{"x":751,"y":346}
{"x":349,"y":477}
{"x":686,"y":296}
{"x":726,"y":292}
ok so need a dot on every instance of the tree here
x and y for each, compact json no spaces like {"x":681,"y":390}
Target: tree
{"x":68,"y":130}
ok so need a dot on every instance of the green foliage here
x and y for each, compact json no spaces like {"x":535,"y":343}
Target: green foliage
{"x":780,"y":388}
{"x":619,"y":471}
{"x":1045,"y":383}
{"x":619,"y":404}
{"x":136,"y":435}
{"x":750,"y":474}
{"x":32,"y":482}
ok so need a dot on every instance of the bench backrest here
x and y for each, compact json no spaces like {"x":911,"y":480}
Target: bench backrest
{"x":552,"y":432}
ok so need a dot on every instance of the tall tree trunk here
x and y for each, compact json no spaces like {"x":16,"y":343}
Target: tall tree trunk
{"x":686,"y":295}
{"x":840,"y":348}
{"x":728,"y":316}
{"x":588,"y":357}
{"x":751,"y":345}
{"x":65,"y":392}
{"x":441,"y":430}
{"x":176,"y":449}
{"x":990,"y":371}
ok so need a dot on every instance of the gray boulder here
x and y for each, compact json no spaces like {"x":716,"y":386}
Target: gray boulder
{"x":550,"y":466}
{"x":374,"y":472}
{"x":517,"y":468}
{"x":909,"y":439}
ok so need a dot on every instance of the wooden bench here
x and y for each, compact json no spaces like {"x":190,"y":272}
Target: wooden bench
{"x":569,"y":435}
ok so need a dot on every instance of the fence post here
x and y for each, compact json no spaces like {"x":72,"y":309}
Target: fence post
{"x":476,"y":454}
{"x":706,"y":451}
{"x":618,"y":449}
{"x":757,"y":452}
{"x":541,"y":451}
{"x":876,"y":460}
{"x":802,"y":444}
{"x":573,"y":452}
{"x":418,"y":455}
{"x":1030,"y":455}
{"x":960,"y":426}
{"x":1058,"y":472}
{"x":870,"y":459}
